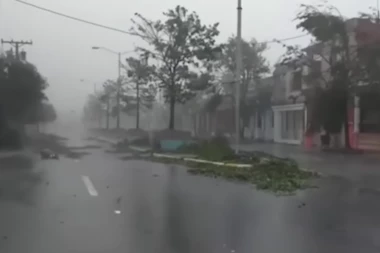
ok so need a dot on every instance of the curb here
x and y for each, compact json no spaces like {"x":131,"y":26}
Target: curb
{"x":203,"y":161}
{"x":167,"y":156}
{"x":140,"y":149}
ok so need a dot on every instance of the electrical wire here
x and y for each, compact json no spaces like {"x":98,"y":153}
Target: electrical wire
{"x":126,"y":32}
{"x":74,"y":18}
{"x":284,"y":39}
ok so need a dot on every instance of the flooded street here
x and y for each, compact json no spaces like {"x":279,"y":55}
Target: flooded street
{"x":99,"y":203}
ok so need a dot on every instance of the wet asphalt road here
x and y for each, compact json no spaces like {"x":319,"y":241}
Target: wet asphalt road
{"x":45,"y":207}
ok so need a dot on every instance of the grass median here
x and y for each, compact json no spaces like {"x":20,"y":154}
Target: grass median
{"x":267,"y":172}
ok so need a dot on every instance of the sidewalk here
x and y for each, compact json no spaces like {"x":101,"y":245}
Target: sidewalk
{"x":353,"y":166}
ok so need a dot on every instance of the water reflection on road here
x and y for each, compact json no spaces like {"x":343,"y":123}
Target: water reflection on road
{"x":164,"y":209}
{"x":182,"y":213}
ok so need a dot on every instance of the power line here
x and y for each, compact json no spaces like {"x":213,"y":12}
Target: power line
{"x":123,"y":31}
{"x":284,"y":39}
{"x":17,"y":45}
{"x":74,"y":18}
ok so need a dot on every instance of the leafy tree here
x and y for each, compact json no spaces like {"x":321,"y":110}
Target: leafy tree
{"x":347,"y":65}
{"x":183,"y":51}
{"x":254,"y":67}
{"x":373,"y":15}
{"x":44,"y":113}
{"x":254,"y":63}
{"x":94,"y":108}
{"x":21,"y":90}
{"x":140,"y":92}
{"x":106,"y":96}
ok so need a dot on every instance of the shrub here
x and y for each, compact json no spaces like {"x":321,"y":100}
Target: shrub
{"x":216,"y":149}
{"x":11,"y":139}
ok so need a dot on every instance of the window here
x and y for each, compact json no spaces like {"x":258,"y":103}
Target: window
{"x":259,"y":120}
{"x":316,"y":67}
{"x":297,"y":80}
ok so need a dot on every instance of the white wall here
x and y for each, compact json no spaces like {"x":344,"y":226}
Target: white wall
{"x":278,"y":123}
{"x":266,"y":131}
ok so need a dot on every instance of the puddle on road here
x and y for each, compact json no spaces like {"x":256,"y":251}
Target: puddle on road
{"x":369,"y":192}
{"x":20,"y":185}
{"x":16,"y":162}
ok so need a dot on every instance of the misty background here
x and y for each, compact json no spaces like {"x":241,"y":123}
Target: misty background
{"x":62,"y":48}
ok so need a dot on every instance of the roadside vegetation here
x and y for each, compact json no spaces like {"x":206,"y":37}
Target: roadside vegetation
{"x":23,"y":100}
{"x":215,"y":158}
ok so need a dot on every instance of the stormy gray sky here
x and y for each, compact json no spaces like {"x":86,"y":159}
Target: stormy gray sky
{"x":62,"y":48}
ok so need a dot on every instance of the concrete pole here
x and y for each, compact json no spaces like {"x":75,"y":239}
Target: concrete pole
{"x":238,"y":75}
{"x":118,"y":91}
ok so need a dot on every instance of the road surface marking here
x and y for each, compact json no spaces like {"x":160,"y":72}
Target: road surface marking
{"x":90,"y":187}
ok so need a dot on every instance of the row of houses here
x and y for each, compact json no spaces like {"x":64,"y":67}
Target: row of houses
{"x":286,"y":119}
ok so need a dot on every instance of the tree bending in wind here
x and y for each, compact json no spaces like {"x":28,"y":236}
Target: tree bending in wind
{"x":21,"y":90}
{"x":139,"y":92}
{"x":348,"y":65}
{"x":182,"y":51}
{"x":255,"y":66}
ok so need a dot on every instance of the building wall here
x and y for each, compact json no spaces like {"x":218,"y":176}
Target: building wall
{"x":261,"y":126}
{"x":289,"y":121}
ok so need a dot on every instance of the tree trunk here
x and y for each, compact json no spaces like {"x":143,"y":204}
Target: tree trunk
{"x":108,"y":114}
{"x":172,"y":111}
{"x":137,"y":105}
{"x":194,"y":121}
{"x":346,"y":93}
{"x":100,"y":119}
{"x":241,"y":130}
{"x":347,"y":142}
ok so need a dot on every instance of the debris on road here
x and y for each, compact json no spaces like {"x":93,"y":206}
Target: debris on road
{"x":48,"y":154}
{"x":301,"y":205}
{"x":48,"y":144}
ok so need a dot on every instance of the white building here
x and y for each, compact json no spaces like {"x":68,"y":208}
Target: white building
{"x":288,"y":106}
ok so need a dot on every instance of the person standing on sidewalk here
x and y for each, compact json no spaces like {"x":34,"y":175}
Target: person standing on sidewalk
{"x":325,"y":139}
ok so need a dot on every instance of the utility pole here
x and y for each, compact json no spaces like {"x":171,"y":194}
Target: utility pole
{"x":141,"y":72}
{"x":119,"y":81}
{"x":238,"y":76}
{"x":118,"y":91}
{"x":17,"y":45}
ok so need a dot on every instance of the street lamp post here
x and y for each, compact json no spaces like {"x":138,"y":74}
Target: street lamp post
{"x":238,"y":75}
{"x":119,"y":54}
{"x":118,"y":91}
